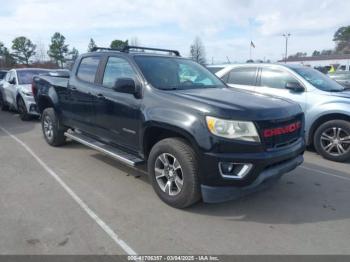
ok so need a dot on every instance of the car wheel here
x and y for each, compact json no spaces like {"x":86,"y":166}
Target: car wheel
{"x":22,"y":109}
{"x":3,"y":105}
{"x":52,"y":130}
{"x":173,"y":171}
{"x":332,"y":140}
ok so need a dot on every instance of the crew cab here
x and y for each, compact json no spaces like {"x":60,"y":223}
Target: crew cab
{"x":325,"y":102}
{"x":169,"y":115}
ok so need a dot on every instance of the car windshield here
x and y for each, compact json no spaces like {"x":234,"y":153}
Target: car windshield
{"x":25,"y":77}
{"x":169,"y":73}
{"x":2,"y":75}
{"x":319,"y":80}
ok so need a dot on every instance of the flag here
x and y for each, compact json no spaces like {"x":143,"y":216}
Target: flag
{"x":252,"y":44}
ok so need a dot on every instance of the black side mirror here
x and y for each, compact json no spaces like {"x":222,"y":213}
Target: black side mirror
{"x":295,"y":87}
{"x":12,"y":81}
{"x":125,"y":85}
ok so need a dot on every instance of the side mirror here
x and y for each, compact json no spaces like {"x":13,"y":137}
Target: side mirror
{"x":12,"y":81}
{"x":295,"y":87}
{"x":125,"y":85}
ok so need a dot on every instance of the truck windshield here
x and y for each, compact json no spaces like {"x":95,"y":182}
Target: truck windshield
{"x":25,"y":77}
{"x":169,"y":73}
{"x":319,"y":80}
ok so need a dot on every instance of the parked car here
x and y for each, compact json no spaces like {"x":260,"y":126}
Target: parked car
{"x":16,"y":91}
{"x":342,"y":78}
{"x":325,"y":103}
{"x":2,"y":74}
{"x":198,"y":138}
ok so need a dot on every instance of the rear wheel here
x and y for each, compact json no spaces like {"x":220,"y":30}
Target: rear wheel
{"x":332,"y":140}
{"x":22,"y":109}
{"x":173,"y":171}
{"x":3,"y":105}
{"x":52,"y":130}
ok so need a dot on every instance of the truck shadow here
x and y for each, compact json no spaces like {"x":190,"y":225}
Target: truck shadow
{"x":298,"y":198}
{"x":12,"y":123}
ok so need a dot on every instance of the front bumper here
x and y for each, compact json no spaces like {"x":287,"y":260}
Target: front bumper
{"x":31,"y":106}
{"x":270,"y":175}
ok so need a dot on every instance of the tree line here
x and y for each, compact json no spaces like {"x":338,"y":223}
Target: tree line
{"x":342,"y":45}
{"x":24,"y":52}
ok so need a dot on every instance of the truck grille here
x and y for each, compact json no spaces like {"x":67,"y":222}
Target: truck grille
{"x":281,"y":133}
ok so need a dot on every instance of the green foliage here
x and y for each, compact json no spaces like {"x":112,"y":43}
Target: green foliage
{"x":119,"y":44}
{"x":91,"y":45}
{"x":74,"y":53}
{"x":342,"y":39}
{"x":316,"y":53}
{"x":23,"y":49}
{"x":58,"y":50}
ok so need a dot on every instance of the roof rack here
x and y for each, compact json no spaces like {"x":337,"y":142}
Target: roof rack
{"x":127,"y":49}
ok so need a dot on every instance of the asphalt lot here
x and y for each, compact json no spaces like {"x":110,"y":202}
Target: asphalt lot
{"x":73,"y":200}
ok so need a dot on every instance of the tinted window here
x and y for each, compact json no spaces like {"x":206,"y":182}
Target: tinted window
{"x":25,"y":77}
{"x":117,"y":68}
{"x":88,"y":69}
{"x":2,"y":75}
{"x":242,"y":76}
{"x":275,"y":78}
{"x":169,"y":73}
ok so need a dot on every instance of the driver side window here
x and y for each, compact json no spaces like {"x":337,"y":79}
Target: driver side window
{"x":275,"y":78}
{"x":117,"y":68}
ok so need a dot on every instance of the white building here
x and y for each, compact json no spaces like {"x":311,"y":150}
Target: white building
{"x":342,"y":62}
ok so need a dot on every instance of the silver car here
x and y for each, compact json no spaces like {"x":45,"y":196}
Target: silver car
{"x":16,"y":91}
{"x":326,"y":103}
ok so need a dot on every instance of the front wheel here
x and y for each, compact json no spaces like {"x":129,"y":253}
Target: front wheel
{"x":173,"y":171}
{"x":3,"y":105}
{"x":53,"y":132}
{"x":22,"y":109}
{"x":332,"y":140}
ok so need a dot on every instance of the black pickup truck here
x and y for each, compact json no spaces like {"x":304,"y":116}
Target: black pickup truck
{"x":197,"y":138}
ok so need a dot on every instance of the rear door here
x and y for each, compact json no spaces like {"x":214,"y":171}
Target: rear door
{"x":10,"y":89}
{"x":242,"y":77}
{"x":272,"y":81}
{"x":117,"y":114}
{"x":81,"y":91}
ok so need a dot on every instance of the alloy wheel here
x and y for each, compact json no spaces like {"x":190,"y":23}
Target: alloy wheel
{"x":48,"y":127}
{"x":335,"y":141}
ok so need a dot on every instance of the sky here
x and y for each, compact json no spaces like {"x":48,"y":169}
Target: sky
{"x":226,"y":27}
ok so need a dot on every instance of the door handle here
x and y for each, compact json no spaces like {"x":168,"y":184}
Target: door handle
{"x":73,"y":88}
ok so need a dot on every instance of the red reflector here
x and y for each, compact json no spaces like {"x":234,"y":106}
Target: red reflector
{"x":282,"y":130}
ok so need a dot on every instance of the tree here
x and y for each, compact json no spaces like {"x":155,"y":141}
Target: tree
{"x":7,"y":59}
{"x":298,"y":55}
{"x":316,"y":53}
{"x":91,"y":45}
{"x":342,"y":39}
{"x":58,"y":49}
{"x":74,"y":53}
{"x":327,"y":52}
{"x":119,"y":44}
{"x":134,"y":41}
{"x":197,"y":51}
{"x":23,"y":49}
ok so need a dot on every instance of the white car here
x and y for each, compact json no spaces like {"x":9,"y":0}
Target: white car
{"x":16,"y":91}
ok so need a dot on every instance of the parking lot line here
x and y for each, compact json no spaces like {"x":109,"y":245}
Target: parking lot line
{"x":76,"y":198}
{"x":324,"y":173}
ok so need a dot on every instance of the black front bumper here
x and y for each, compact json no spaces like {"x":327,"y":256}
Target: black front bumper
{"x":267,"y":165}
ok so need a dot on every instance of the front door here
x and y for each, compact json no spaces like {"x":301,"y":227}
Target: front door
{"x":117,"y":114}
{"x":273,"y":82}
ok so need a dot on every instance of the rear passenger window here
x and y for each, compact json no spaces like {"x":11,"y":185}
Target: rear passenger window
{"x":275,"y":78}
{"x":242,"y":76}
{"x":88,"y":69}
{"x":116,"y":68}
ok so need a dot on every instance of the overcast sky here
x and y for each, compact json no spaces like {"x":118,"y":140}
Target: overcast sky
{"x":225,"y":26}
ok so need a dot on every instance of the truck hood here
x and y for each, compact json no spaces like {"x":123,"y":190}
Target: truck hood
{"x":241,"y":105}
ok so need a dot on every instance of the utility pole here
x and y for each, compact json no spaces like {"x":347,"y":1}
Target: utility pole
{"x":286,"y":36}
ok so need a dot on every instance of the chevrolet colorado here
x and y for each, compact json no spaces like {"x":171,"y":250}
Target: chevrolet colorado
{"x":169,"y":115}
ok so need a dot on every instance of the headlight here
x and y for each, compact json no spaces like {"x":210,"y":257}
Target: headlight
{"x":240,"y":130}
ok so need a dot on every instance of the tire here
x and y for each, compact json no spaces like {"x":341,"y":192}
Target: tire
{"x":22,"y":109}
{"x":184,"y":169}
{"x":52,"y":130}
{"x":3,"y":105}
{"x":332,"y":140}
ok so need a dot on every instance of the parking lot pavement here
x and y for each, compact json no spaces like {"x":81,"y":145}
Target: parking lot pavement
{"x":307,"y":212}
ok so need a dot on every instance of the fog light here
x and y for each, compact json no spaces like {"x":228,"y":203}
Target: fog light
{"x":234,"y":170}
